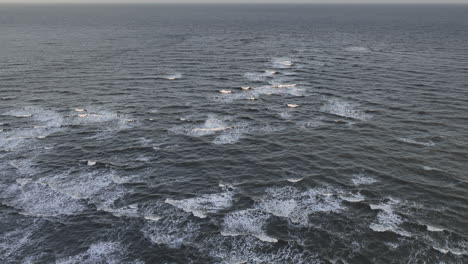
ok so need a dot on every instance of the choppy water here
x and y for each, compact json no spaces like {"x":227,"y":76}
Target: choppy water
{"x":116,"y":145}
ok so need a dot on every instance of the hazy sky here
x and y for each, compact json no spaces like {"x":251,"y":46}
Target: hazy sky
{"x":234,"y":1}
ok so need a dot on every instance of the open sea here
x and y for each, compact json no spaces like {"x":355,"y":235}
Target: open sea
{"x":233,"y":134}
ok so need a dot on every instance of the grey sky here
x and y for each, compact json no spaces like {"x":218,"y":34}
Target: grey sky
{"x":235,"y":1}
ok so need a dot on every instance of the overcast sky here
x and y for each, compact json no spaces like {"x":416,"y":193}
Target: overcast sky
{"x":234,"y":1}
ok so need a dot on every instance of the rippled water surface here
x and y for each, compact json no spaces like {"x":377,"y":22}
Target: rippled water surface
{"x":125,"y":135}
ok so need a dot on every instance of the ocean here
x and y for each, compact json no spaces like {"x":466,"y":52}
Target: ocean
{"x":233,"y":134}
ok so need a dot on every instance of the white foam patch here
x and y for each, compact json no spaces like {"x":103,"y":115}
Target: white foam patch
{"x":357,"y":49}
{"x":173,"y":229}
{"x":101,"y":252}
{"x":426,"y":143}
{"x":40,"y":200}
{"x":247,"y":222}
{"x":361,"y":179}
{"x":387,"y":219}
{"x":345,"y":109}
{"x":204,"y":204}
{"x":297,"y":205}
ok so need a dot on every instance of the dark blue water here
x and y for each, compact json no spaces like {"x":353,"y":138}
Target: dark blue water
{"x":117,"y":146}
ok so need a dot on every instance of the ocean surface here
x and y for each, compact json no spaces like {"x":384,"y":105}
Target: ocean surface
{"x":125,"y":135}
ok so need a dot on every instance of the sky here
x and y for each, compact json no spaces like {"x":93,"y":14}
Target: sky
{"x":235,"y":1}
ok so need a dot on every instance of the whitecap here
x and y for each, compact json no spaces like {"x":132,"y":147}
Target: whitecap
{"x":345,"y":109}
{"x":45,"y":123}
{"x":174,"y":76}
{"x":353,"y":198}
{"x":282,"y":63}
{"x":427,"y":168}
{"x":357,"y":49}
{"x":427,"y":143}
{"x":294,"y":180}
{"x":212,"y":125}
{"x":233,"y":135}
{"x":387,"y":219}
{"x":297,"y":205}
{"x":434,"y":229}
{"x":173,"y":229}
{"x":247,"y":222}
